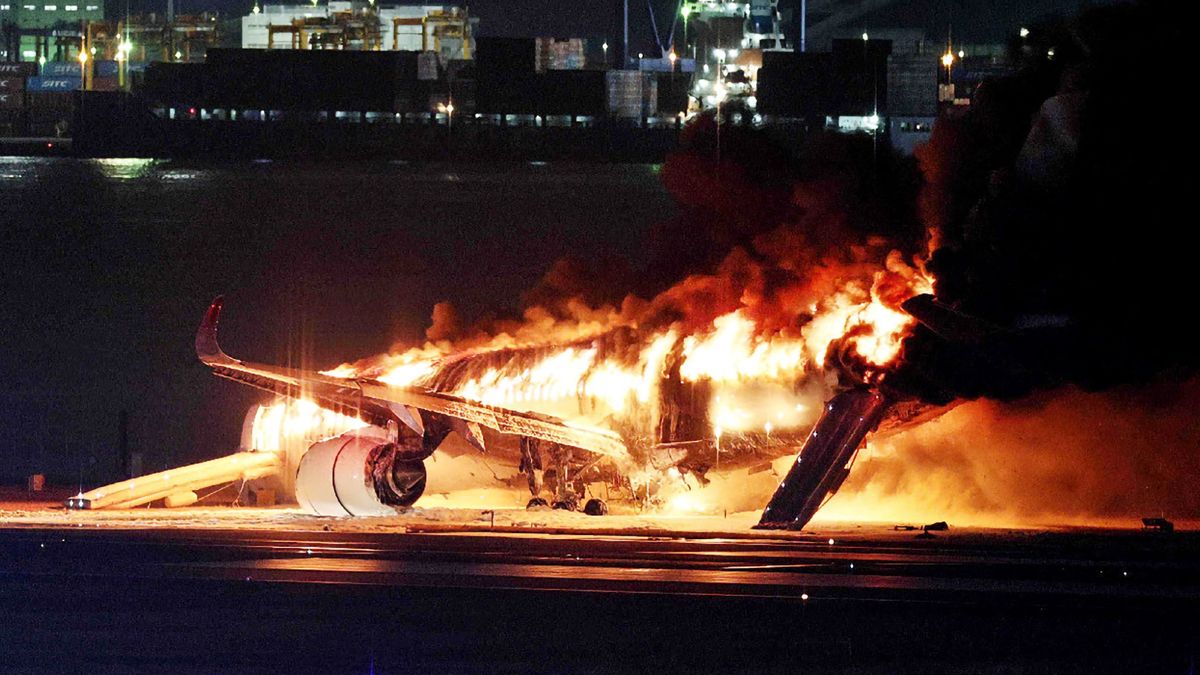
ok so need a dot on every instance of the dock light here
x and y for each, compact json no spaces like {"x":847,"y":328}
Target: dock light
{"x":41,"y":60}
{"x":686,"y":12}
{"x":947,"y":59}
{"x":961,"y":54}
{"x":1024,"y":32}
{"x":732,"y":53}
{"x":719,"y":54}
{"x":256,"y":9}
{"x":672,"y":57}
{"x":83,"y":58}
{"x":865,"y":36}
{"x":719,"y":93}
{"x":178,"y":55}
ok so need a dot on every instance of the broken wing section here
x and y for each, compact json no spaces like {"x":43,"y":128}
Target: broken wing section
{"x":378,"y":403}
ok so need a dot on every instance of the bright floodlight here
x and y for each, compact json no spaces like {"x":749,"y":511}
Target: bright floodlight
{"x":1024,"y":32}
{"x":719,"y":54}
{"x":672,"y":57}
{"x":83,"y":57}
{"x":865,"y":36}
{"x":947,"y":59}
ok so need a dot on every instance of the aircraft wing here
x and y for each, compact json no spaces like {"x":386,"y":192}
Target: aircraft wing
{"x":378,"y":402}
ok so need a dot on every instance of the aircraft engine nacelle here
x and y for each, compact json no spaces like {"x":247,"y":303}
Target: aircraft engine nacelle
{"x":359,"y":473}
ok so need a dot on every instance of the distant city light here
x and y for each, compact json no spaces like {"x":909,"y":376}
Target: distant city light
{"x":1024,"y":32}
{"x":865,"y":36}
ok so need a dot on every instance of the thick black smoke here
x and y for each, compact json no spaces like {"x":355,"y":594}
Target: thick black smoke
{"x":1061,"y":213}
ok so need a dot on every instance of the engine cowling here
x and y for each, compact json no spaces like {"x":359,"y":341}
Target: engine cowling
{"x":359,"y":473}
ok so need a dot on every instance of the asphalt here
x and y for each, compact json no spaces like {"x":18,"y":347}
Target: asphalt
{"x":250,"y":601}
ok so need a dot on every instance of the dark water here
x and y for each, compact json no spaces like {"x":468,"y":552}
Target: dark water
{"x":107,"y":265}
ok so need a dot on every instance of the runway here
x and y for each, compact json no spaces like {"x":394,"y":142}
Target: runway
{"x":246,"y":601}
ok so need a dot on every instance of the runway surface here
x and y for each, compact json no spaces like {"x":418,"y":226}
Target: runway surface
{"x":244,"y":601}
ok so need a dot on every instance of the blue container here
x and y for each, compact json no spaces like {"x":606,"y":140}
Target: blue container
{"x":107,"y":68}
{"x":53,"y":83}
{"x":62,"y":69}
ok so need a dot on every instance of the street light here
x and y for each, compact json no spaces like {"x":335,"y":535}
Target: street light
{"x":447,"y":109}
{"x":605,"y":48}
{"x":83,"y":78}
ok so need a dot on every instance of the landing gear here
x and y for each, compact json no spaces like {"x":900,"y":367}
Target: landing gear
{"x":570,"y":503}
{"x":564,"y":484}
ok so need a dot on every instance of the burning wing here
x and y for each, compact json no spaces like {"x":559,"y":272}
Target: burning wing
{"x":380,"y":404}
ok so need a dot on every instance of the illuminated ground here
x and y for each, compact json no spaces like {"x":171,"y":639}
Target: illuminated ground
{"x":222,"y":589}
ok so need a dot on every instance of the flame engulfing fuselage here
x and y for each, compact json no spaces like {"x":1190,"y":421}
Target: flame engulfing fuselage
{"x":672,"y":404}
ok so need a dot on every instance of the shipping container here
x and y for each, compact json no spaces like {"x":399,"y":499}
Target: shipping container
{"x":57,"y":69}
{"x":107,"y":69}
{"x":12,"y":100}
{"x":560,"y":54}
{"x":427,"y":66}
{"x":18,"y":69}
{"x":51,"y":103}
{"x":9,"y":85}
{"x":632,"y":93}
{"x":105,"y":84}
{"x":912,"y":85}
{"x":53,"y":84}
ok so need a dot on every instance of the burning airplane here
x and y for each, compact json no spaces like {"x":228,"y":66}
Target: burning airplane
{"x":632,"y":405}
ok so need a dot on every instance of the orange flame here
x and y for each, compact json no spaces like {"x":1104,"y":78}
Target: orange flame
{"x":758,"y":374}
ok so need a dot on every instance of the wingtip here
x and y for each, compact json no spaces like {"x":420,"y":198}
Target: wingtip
{"x":207,"y":347}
